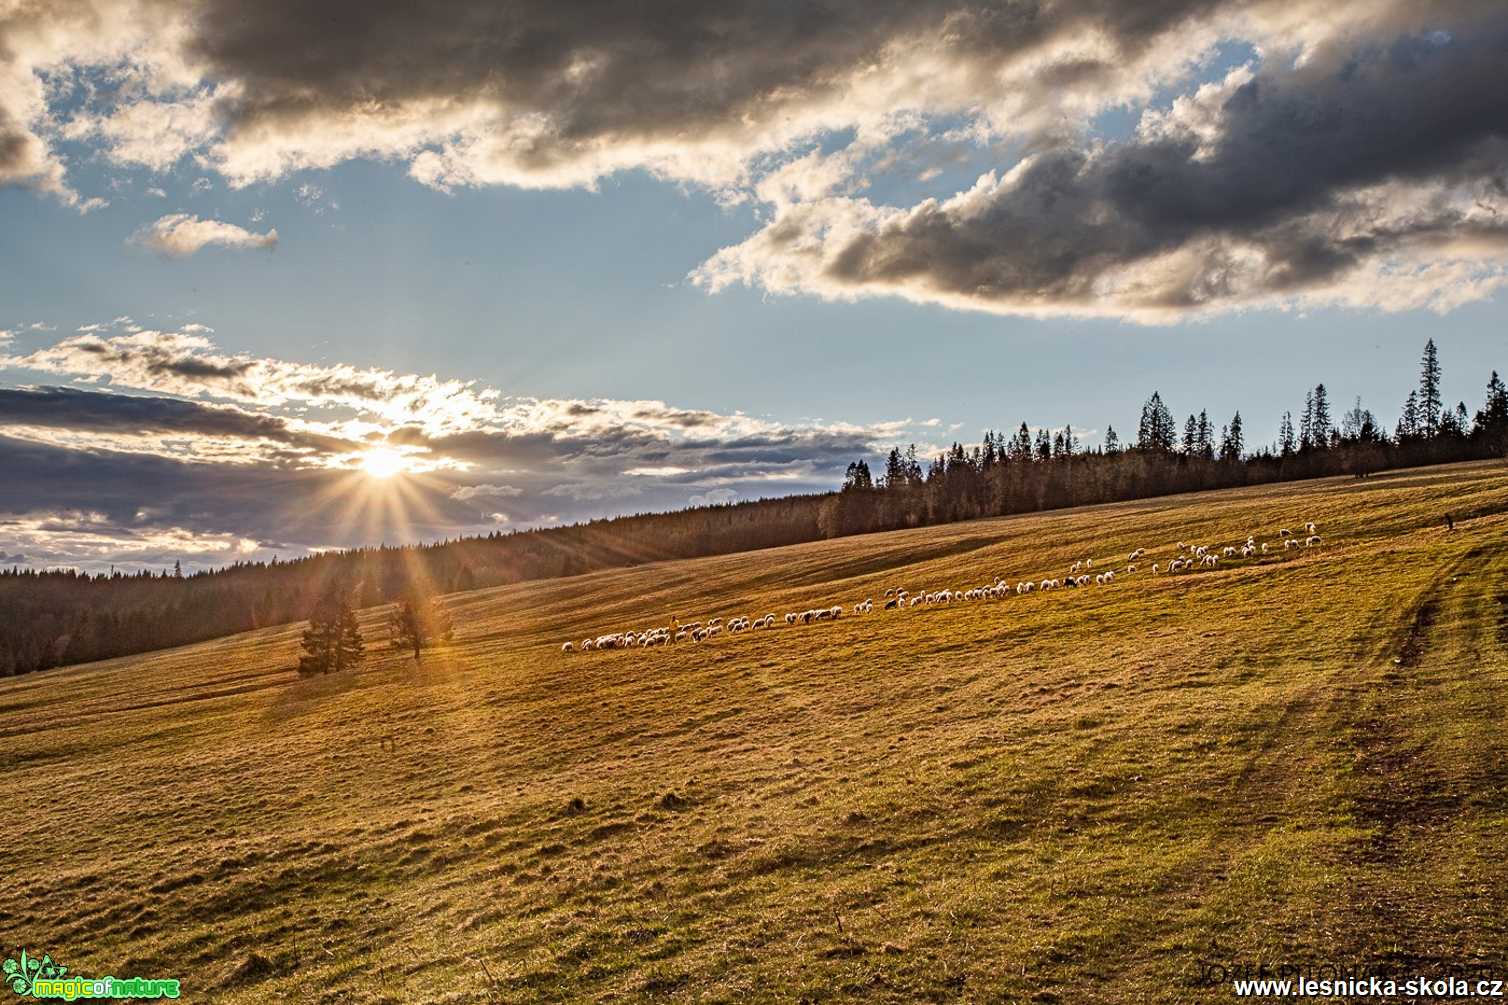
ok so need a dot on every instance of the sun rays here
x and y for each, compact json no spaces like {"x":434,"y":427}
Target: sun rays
{"x":383,"y":463}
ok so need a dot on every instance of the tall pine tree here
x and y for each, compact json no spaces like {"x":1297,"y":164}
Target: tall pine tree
{"x":1429,"y":391}
{"x":1321,"y":426}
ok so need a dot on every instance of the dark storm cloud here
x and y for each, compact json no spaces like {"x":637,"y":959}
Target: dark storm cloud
{"x":1286,"y":182}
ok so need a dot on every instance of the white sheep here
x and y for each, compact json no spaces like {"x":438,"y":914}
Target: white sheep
{"x":567,"y":648}
{"x":1311,"y":540}
{"x":1284,"y":532}
{"x":1309,"y":527}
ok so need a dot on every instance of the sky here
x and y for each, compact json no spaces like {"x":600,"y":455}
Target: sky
{"x":276,"y":279}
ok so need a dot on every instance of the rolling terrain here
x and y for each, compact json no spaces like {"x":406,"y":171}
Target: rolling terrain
{"x":1075,"y":796}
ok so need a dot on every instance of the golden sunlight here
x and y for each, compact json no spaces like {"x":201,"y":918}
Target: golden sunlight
{"x":381,"y":462}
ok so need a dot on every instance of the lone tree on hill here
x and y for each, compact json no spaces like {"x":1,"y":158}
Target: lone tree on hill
{"x":416,"y":622}
{"x":332,"y":642}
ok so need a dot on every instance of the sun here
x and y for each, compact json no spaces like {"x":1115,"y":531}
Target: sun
{"x":381,"y":462}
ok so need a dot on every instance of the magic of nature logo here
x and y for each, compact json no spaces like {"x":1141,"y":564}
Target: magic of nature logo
{"x":45,"y":978}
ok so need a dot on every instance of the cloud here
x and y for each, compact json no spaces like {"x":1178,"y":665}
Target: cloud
{"x":1356,"y":161}
{"x":90,"y":419}
{"x":186,"y":362}
{"x":171,"y":439}
{"x":716,"y":497}
{"x":1343,"y":180}
{"x":486,"y":492}
{"x":179,"y":235}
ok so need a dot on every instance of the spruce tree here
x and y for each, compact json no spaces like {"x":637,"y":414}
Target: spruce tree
{"x":332,"y":642}
{"x":1321,"y":427}
{"x":1190,"y":436}
{"x":1408,"y":422}
{"x":416,"y":622}
{"x":1112,"y":441}
{"x":1157,"y":430}
{"x":1206,"y":438}
{"x":1286,"y":443}
{"x":1429,"y":391}
{"x":1491,"y":421}
{"x":1232,"y":440}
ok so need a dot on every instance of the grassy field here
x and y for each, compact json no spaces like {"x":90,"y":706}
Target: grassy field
{"x":1075,"y":796}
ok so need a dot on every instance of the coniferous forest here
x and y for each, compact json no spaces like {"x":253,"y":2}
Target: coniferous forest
{"x":58,"y":617}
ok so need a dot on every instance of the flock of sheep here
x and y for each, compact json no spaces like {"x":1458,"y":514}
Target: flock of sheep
{"x":1079,"y":575}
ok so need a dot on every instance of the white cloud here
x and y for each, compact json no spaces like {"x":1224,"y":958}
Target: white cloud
{"x":178,"y":235}
{"x":486,"y":492}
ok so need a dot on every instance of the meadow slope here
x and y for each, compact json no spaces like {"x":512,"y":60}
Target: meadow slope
{"x":1066,"y":797}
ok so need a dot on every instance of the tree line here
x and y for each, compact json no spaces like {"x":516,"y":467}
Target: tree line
{"x":52,"y":618}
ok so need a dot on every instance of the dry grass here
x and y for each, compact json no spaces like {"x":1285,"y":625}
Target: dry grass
{"x":1066,"y":797}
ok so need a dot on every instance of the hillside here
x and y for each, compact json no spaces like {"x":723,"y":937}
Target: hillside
{"x":1073,"y":796}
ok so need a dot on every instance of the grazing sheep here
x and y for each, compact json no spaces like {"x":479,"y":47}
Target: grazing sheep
{"x":1289,"y":543}
{"x":567,"y":648}
{"x":1284,"y":532}
{"x":1309,"y":527}
{"x":1130,"y":569}
{"x":1311,"y":540}
{"x":891,"y":604}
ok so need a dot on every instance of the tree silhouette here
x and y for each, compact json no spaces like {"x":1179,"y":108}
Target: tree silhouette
{"x":1429,"y":391}
{"x":1320,"y":429}
{"x":1408,"y":422}
{"x":1156,"y":432}
{"x":332,"y":642}
{"x":416,"y":621}
{"x":1232,"y":440}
